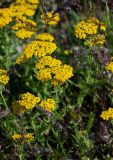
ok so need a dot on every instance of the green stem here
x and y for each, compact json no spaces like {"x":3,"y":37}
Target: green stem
{"x":21,"y":156}
{"x":90,"y":58}
{"x":107,"y":13}
{"x":3,"y":99}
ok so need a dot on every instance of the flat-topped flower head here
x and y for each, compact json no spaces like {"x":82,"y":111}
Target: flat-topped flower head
{"x":54,"y":70}
{"x":29,"y":137}
{"x":45,"y":37}
{"x":50,"y":18}
{"x":5,"y":17}
{"x":27,"y":102}
{"x":48,"y":104}
{"x":4,"y":78}
{"x":24,"y":27}
{"x":109,"y":67}
{"x":42,"y":46}
{"x":106,"y":115}
{"x":95,"y":40}
{"x":91,"y":31}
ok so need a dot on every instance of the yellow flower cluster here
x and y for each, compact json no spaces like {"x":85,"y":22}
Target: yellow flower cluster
{"x":19,"y":12}
{"x":96,"y":40}
{"x":48,"y":104}
{"x":24,"y":7}
{"x":101,"y":25}
{"x":52,"y":69}
{"x":90,"y":30}
{"x":50,"y":18}
{"x":24,"y":27}
{"x":40,"y":47}
{"x":4,"y":78}
{"x":18,"y":9}
{"x":83,"y":29}
{"x":106,"y":115}
{"x":27,"y":137}
{"x":5,"y":17}
{"x":27,"y":101}
{"x":109,"y":67}
{"x":45,"y":37}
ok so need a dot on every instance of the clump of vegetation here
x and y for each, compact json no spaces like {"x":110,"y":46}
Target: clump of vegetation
{"x":56,"y":80}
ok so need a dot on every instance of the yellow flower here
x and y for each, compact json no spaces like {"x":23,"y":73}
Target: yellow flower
{"x":16,"y":136}
{"x":27,"y":137}
{"x":63,"y":73}
{"x":4,"y":78}
{"x":102,"y":26}
{"x":48,"y":104}
{"x":106,"y":115}
{"x":26,"y":102}
{"x":27,"y":1}
{"x":83,"y":29}
{"x":48,"y":61}
{"x":24,"y":7}
{"x":45,"y":37}
{"x":50,"y":18}
{"x":5,"y":17}
{"x":44,"y":74}
{"x":38,"y":48}
{"x":21,"y":9}
{"x":90,"y":30}
{"x":21,"y":59}
{"x":52,"y":69}
{"x":25,"y":27}
{"x":92,"y":20}
{"x":23,"y":22}
{"x":23,"y":33}
{"x":95,"y":40}
{"x":109,"y":67}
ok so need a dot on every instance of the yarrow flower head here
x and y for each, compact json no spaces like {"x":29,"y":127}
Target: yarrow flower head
{"x":24,"y":7}
{"x":106,"y":115}
{"x":45,"y":37}
{"x":96,"y":40}
{"x":48,"y":104}
{"x":27,"y":137}
{"x":4,"y":78}
{"x":50,"y":18}
{"x":109,"y":66}
{"x":26,"y":102}
{"x":5,"y":17}
{"x":90,"y":30}
{"x":40,"y":47}
{"x":24,"y":27}
{"x":52,"y":69}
